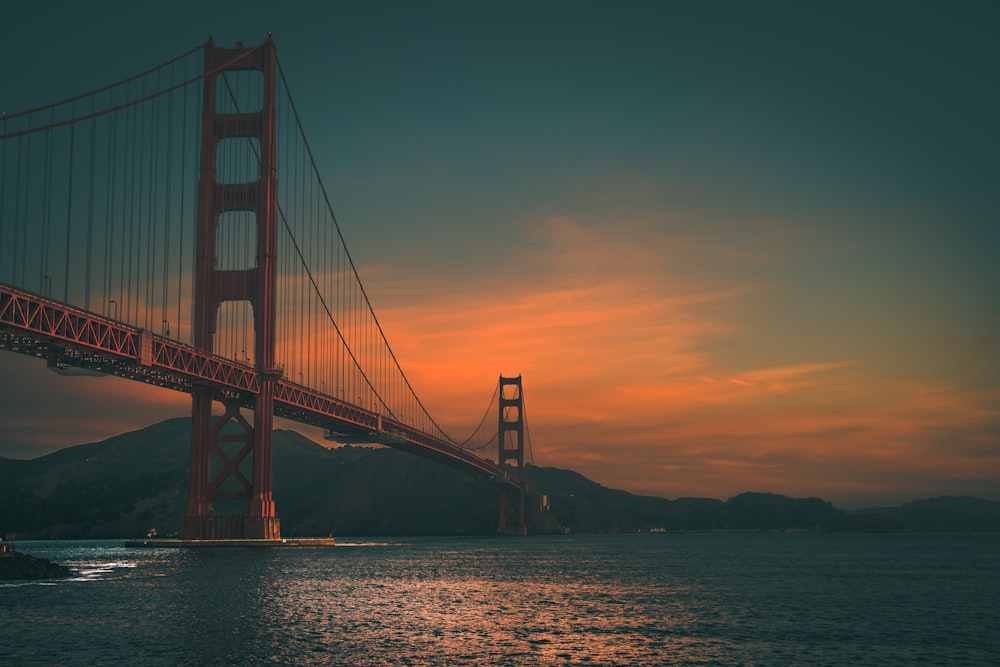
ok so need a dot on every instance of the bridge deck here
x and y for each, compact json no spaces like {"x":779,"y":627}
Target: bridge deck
{"x":73,"y":338}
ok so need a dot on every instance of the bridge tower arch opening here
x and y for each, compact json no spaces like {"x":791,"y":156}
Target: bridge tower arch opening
{"x":222,"y":445}
{"x":510,"y":448}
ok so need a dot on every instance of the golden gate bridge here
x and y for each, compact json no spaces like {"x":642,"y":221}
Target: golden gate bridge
{"x":172,"y":228}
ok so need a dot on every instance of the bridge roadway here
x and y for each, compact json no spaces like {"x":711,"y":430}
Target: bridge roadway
{"x":70,"y":337}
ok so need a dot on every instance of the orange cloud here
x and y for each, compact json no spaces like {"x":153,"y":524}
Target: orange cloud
{"x":577,"y":332}
{"x":621,"y":382}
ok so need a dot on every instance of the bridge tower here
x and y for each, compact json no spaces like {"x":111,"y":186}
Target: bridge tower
{"x":231,"y":438}
{"x":510,"y":446}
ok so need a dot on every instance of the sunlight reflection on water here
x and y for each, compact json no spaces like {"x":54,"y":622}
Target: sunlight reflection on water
{"x":639,"y":600}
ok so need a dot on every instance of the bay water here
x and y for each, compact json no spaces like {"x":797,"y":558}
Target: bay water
{"x":652,"y":599}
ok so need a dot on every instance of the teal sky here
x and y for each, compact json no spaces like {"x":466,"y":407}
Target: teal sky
{"x":646,"y":208}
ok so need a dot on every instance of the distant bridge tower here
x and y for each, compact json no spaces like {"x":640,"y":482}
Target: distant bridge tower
{"x":231,"y":439}
{"x":510,"y":445}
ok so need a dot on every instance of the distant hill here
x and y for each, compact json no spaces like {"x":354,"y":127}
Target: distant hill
{"x":133,"y":483}
{"x":944,"y":514}
{"x":122,"y":486}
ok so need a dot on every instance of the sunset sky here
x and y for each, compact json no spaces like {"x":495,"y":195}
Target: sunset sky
{"x":730,"y":246}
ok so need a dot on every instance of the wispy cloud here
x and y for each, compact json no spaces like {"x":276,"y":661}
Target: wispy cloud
{"x":622,"y":379}
{"x":581,"y":313}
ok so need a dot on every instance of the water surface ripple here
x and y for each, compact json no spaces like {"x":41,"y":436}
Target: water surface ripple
{"x":708,"y":599}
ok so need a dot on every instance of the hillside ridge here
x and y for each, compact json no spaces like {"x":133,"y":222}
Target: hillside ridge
{"x":135,"y":484}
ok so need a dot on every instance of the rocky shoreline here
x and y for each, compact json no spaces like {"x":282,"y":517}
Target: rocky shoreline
{"x":18,"y":566}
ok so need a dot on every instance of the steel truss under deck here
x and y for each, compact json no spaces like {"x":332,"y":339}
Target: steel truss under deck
{"x":70,"y":337}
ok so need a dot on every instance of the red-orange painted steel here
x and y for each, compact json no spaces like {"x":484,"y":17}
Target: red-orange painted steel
{"x":257,"y":286}
{"x":511,"y":423}
{"x":39,"y":326}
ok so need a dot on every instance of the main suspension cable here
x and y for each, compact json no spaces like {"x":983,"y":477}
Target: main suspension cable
{"x":326,"y":200}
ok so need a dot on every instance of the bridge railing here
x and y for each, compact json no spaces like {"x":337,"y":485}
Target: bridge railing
{"x":70,"y":336}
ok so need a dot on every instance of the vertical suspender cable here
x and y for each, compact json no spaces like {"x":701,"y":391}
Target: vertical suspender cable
{"x":151,"y":162}
{"x":3,"y":190}
{"x":160,"y":127}
{"x":90,"y":207}
{"x":109,"y":210}
{"x":136,"y":230}
{"x":69,"y":210}
{"x":17,"y":209}
{"x":181,"y":226}
{"x":167,"y":201}
{"x":311,"y":243}
{"x":23,"y":254}
{"x":43,"y":264}
{"x":128,"y":211}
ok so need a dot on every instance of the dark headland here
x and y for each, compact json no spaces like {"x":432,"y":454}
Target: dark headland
{"x":15,"y":565}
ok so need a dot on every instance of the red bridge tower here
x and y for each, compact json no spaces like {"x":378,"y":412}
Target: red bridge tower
{"x":510,"y":445}
{"x":219,"y":448}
